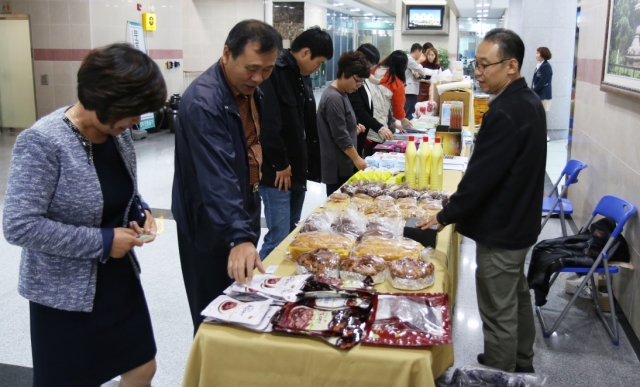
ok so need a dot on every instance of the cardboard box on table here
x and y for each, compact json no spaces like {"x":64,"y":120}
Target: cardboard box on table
{"x":466,"y":96}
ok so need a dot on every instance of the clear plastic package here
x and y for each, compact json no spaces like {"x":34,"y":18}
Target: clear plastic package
{"x":409,"y":320}
{"x":409,"y":273}
{"x":350,"y":222}
{"x":318,"y":221}
{"x":320,"y":261}
{"x":388,"y":249}
{"x":307,"y":242}
{"x":359,"y":268}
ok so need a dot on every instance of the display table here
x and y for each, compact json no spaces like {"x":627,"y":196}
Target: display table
{"x":223,"y":355}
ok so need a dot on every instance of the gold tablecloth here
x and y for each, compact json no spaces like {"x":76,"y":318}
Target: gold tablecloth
{"x":230,"y":356}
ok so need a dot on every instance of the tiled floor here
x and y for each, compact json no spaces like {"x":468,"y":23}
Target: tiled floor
{"x":578,"y":354}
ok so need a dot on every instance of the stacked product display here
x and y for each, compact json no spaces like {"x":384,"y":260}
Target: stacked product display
{"x":341,"y":252}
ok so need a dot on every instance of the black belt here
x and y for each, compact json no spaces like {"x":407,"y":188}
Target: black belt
{"x":254,"y":187}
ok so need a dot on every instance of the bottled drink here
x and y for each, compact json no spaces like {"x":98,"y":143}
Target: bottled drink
{"x":437,"y":155}
{"x":410,"y":155}
{"x":424,"y":155}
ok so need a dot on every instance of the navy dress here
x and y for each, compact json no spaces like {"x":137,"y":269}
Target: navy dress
{"x":87,"y":349}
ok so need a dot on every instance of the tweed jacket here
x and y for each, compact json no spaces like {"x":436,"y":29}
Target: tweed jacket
{"x":53,"y":210}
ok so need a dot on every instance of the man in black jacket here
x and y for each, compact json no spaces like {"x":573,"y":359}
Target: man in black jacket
{"x":289,"y":135}
{"x":362,"y":104}
{"x":499,"y":199}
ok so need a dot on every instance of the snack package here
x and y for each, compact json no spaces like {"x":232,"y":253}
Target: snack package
{"x":359,"y":268}
{"x":349,"y":189}
{"x":318,"y":221}
{"x":342,"y":328}
{"x":311,"y":241}
{"x":265,"y":325}
{"x":230,"y":310}
{"x":323,"y":283}
{"x":283,"y":289}
{"x":333,"y":300}
{"x":409,"y":273}
{"x":320,"y":261}
{"x":388,"y":249}
{"x":409,"y":320}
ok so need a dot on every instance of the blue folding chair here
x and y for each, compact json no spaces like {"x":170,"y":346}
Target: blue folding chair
{"x":620,"y":210}
{"x":558,"y":204}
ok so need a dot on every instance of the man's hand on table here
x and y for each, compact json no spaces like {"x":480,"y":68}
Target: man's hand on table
{"x":430,"y":221}
{"x":242,"y":259}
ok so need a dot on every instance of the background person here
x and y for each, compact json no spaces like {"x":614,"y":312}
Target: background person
{"x":215,"y":188}
{"x":432,"y":62}
{"x":412,"y":75}
{"x":72,"y":205}
{"x":541,"y":82}
{"x":363,"y":104}
{"x":288,"y":129}
{"x":425,"y":47}
{"x":337,"y":125}
{"x":498,"y":201}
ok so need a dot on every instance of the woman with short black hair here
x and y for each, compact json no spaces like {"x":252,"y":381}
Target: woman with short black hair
{"x":337,"y":124}
{"x":73,"y":205}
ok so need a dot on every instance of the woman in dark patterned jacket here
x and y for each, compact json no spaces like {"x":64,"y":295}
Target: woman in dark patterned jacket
{"x":72,"y":204}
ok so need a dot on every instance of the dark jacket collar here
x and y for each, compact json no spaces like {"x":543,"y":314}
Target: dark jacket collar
{"x":513,"y":87}
{"x":286,"y":58}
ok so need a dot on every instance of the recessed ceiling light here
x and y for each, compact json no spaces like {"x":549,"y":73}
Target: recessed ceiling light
{"x":469,"y":18}
{"x":486,"y":4}
{"x":354,"y":9}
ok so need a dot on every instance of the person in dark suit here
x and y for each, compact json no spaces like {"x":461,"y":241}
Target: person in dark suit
{"x":362,"y":103}
{"x":541,"y":82}
{"x":500,"y":209}
{"x":215,"y":199}
{"x":288,"y":130}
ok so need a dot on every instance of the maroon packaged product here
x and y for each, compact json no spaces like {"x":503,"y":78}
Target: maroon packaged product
{"x":409,"y":320}
{"x":321,"y":282}
{"x":342,"y":328}
{"x":333,"y":300}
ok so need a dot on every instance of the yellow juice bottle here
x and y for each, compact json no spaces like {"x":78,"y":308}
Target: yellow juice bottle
{"x":437,"y":156}
{"x":410,"y":155}
{"x":424,"y":157}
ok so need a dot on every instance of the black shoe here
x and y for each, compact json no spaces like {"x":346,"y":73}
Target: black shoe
{"x":527,"y":370}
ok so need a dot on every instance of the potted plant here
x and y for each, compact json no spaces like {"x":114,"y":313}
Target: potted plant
{"x":443,"y":57}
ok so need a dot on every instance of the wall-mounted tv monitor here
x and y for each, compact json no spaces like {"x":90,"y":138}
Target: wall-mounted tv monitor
{"x":425,"y":17}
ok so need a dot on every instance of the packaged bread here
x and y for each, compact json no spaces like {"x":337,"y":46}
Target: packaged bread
{"x":359,"y":268}
{"x":388,"y":249}
{"x":319,"y":261}
{"x":318,"y":221}
{"x":307,"y":242}
{"x":407,"y":200}
{"x":350,"y":222}
{"x":414,"y":212}
{"x":349,"y":189}
{"x":393,"y":225}
{"x":338,"y":197}
{"x":408,"y":273}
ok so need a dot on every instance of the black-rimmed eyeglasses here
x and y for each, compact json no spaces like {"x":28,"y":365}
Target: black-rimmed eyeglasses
{"x":482,"y":67}
{"x":358,"y":82}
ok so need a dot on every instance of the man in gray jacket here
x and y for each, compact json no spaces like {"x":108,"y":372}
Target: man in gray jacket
{"x":413,"y":74}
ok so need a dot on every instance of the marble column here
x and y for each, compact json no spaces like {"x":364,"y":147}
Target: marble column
{"x":552,"y":24}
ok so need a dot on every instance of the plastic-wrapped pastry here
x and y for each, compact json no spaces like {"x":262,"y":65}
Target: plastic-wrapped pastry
{"x":393,"y":225}
{"x":320,"y":261}
{"x":415,"y":212}
{"x":390,"y":211}
{"x":374,"y":191}
{"x":348,"y":189}
{"x":376,"y":232}
{"x":358,"y":268}
{"x":338,"y":197}
{"x":407,"y":200}
{"x":388,"y":249}
{"x":317,"y":221}
{"x":304,"y":243}
{"x":362,"y":197}
{"x":350,"y":222}
{"x":430,"y":204}
{"x":385,"y":199}
{"x":407,"y":206}
{"x":408,"y":273}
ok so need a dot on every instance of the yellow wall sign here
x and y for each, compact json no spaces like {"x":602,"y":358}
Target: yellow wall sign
{"x":149,"y":21}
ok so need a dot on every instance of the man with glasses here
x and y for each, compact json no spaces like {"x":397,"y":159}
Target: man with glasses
{"x":498,"y":201}
{"x":289,"y":135}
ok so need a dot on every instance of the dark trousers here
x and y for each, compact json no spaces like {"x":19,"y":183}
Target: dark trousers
{"x":205,"y":272}
{"x":331,"y":188}
{"x":505,"y":307}
{"x":410,"y":105}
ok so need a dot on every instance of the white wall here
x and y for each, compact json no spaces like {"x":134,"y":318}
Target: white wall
{"x":314,"y":16}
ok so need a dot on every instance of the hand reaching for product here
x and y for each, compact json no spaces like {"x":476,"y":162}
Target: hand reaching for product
{"x":242,"y":260}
